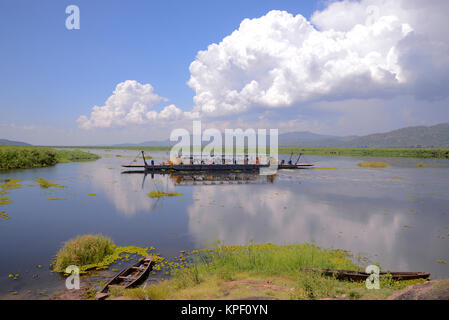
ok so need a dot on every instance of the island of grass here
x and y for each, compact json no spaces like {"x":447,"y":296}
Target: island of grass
{"x":18,"y":157}
{"x":90,"y":252}
{"x":264,"y":271}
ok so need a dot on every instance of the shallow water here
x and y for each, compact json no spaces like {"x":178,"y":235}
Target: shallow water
{"x":401,"y":223}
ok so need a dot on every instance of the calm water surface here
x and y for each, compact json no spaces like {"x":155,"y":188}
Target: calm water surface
{"x":401,"y":223}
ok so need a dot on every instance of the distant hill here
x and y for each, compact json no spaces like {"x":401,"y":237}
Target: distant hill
{"x":4,"y":142}
{"x":411,"y":137}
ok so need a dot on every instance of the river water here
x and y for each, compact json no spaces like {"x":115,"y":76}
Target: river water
{"x":397,"y":216}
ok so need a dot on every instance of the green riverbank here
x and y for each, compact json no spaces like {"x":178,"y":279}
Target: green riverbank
{"x":260,"y":270}
{"x":266,"y":271}
{"x":15,"y":157}
{"x":345,"y":152}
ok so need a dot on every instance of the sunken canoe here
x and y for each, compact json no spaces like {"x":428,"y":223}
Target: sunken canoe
{"x":362,"y":276}
{"x":128,"y":277}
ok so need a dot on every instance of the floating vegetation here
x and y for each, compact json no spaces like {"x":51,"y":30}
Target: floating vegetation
{"x":5,"y":188}
{"x":91,"y":194}
{"x":13,"y":276}
{"x":441,"y":261}
{"x":4,"y":201}
{"x":93,"y":252}
{"x":395,"y":178}
{"x":159,"y":194}
{"x":48,"y":184}
{"x":406,"y":226}
{"x":421,"y":165}
{"x":373,"y":164}
{"x":54,"y":198}
{"x":324,"y":168}
{"x":4,"y":215}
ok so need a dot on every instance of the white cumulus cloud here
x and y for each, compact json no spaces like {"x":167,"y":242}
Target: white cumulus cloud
{"x":130,"y":104}
{"x":367,"y":49}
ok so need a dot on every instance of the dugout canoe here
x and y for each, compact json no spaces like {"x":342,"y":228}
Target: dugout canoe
{"x":128,"y":277}
{"x":362,"y":276}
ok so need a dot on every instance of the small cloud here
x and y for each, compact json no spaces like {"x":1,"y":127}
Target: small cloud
{"x":130,"y":104}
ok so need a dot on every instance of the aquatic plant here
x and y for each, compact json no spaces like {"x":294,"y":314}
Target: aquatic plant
{"x":4,"y":215}
{"x":47,"y":184}
{"x":94,"y":252}
{"x":83,"y":250}
{"x":421,"y":165}
{"x":5,"y":188}
{"x":159,"y":194}
{"x":373,"y":164}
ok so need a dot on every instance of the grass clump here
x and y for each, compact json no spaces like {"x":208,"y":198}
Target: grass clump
{"x":159,"y":194}
{"x":93,"y":252}
{"x":83,"y":250}
{"x":373,"y":164}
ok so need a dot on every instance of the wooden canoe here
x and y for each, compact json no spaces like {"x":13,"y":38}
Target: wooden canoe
{"x":128,"y":277}
{"x":361,"y":276}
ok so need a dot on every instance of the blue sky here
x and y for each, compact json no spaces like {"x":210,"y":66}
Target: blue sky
{"x":50,"y":76}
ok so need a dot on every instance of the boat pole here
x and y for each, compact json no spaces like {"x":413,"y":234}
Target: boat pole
{"x":144,"y":161}
{"x":298,"y":159}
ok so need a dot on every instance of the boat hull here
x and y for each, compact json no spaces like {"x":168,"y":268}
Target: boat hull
{"x":128,"y":277}
{"x":362,"y":276}
{"x":214,"y":167}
